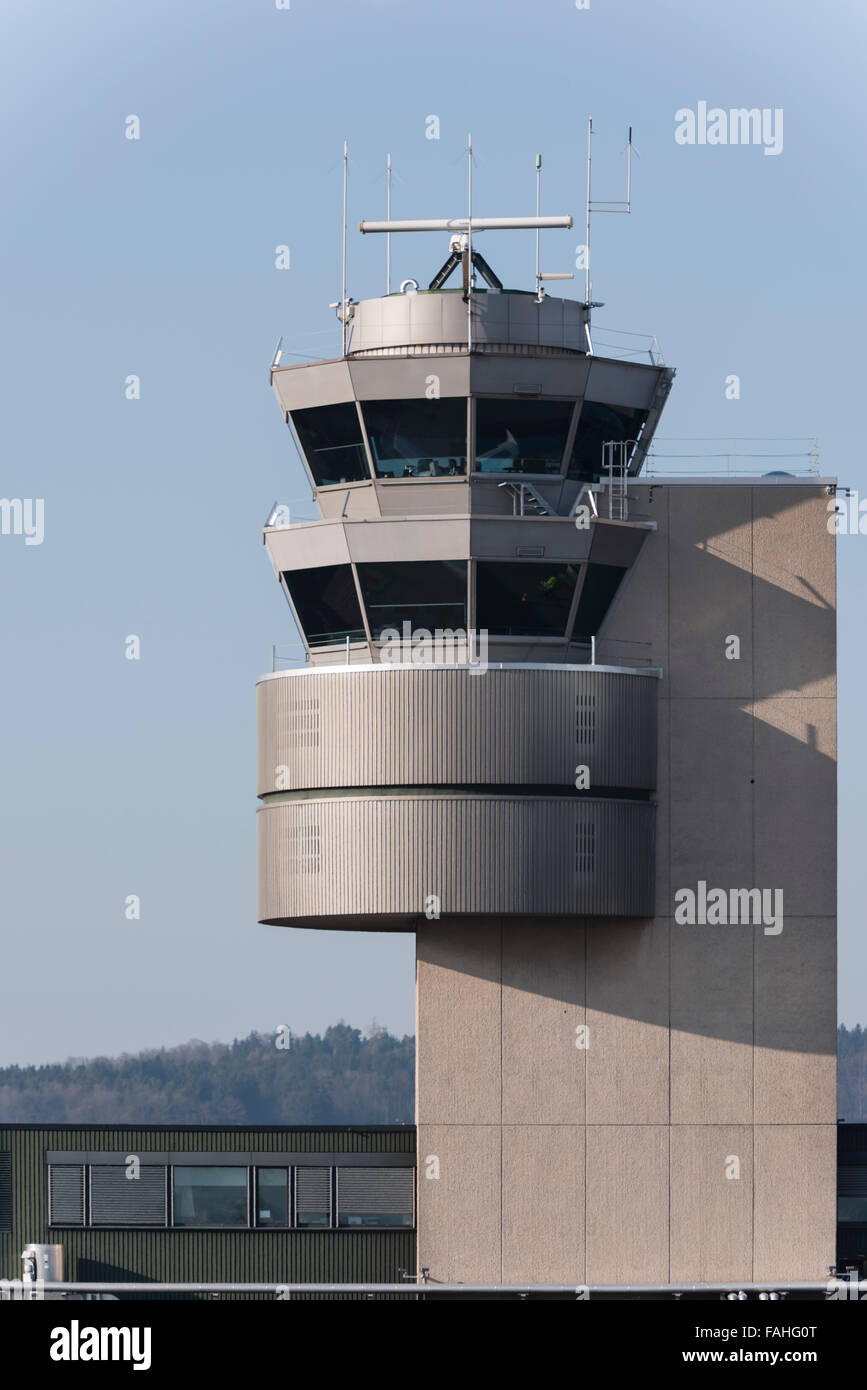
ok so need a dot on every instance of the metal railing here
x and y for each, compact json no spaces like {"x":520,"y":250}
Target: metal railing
{"x":835,"y":1286}
{"x":745,"y":457}
{"x":644,"y":345}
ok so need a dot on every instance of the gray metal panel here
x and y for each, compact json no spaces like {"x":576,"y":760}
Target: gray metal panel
{"x":439,"y":497}
{"x":558,"y":538}
{"x":315,"y":383}
{"x":397,"y":539}
{"x":624,"y":383}
{"x":308,"y":545}
{"x":406,"y":378}
{"x":557,"y":376}
{"x":381,"y":857}
{"x":381,"y":726}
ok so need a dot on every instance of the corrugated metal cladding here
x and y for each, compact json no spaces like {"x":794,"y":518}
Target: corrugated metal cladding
{"x":400,"y":727}
{"x":278,"y":1256}
{"x":494,"y":856}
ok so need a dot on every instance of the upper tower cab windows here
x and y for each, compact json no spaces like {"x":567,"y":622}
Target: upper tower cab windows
{"x":425,"y":439}
{"x":514,"y":436}
{"x":417,"y":438}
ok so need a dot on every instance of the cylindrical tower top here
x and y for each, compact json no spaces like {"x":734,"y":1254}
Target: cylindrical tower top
{"x":437,"y":320}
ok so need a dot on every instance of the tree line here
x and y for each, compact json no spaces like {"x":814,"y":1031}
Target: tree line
{"x":342,"y":1076}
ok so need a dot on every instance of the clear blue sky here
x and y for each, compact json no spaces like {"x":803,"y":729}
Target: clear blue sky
{"x":156,"y":257}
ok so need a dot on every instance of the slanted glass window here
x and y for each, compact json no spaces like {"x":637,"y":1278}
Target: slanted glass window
{"x":600,"y":586}
{"x":427,"y":594}
{"x":598,"y":425}
{"x":210,"y":1196}
{"x":326,"y":603}
{"x":417,"y":438}
{"x":374,"y":1197}
{"x":529,"y":599}
{"x":517,"y":436}
{"x":331,"y":438}
{"x":312,"y":1196}
{"x":272,"y":1197}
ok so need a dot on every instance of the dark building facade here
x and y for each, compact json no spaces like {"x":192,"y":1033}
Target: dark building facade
{"x":852,"y":1197}
{"x":230,"y":1204}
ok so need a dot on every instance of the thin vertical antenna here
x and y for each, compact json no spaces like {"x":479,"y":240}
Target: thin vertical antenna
{"x":538,"y":214}
{"x":388,"y":237}
{"x":469,"y":243}
{"x":629,"y":171}
{"x":343,"y":284}
{"x":587,"y":232}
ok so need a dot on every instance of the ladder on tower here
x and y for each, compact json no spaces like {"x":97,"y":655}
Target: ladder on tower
{"x":615,"y":464}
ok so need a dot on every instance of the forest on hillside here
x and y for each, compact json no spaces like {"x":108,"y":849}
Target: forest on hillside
{"x":343,"y":1076}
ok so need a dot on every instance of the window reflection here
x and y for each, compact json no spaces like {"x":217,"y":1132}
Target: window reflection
{"x":326,"y":603}
{"x":272,"y":1197}
{"x":521,"y":436}
{"x":210,"y":1196}
{"x":331,"y":438}
{"x":597,"y":425}
{"x":417,"y":438}
{"x":526,"y":599}
{"x":427,"y":594}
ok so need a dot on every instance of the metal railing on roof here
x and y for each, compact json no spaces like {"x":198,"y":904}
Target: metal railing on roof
{"x":642,"y":345}
{"x":758,"y":456}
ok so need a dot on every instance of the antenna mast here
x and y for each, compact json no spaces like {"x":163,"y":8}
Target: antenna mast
{"x":538,"y":214}
{"x":388,"y":216}
{"x":343,"y":282}
{"x":602,"y":206}
{"x":469,"y":243}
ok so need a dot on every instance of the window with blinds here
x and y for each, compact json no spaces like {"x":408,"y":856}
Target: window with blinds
{"x":66,"y":1194}
{"x":312,"y":1196}
{"x":5,"y":1191}
{"x":118,"y":1200}
{"x":375,"y":1197}
{"x":301,"y":1196}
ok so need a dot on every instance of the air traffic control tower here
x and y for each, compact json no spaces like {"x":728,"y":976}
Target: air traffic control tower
{"x":607,"y":814}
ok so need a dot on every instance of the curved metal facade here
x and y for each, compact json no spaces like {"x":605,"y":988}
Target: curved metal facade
{"x":400,"y":726}
{"x":378,"y":861}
